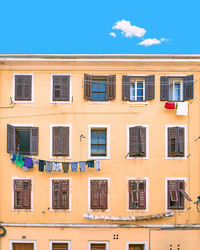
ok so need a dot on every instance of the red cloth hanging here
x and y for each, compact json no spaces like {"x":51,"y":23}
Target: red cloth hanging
{"x":170,"y":105}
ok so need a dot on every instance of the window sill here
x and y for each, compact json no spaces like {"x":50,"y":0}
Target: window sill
{"x":175,"y":158}
{"x":22,"y":210}
{"x":101,"y":210}
{"x":137,"y":104}
{"x":60,"y":157}
{"x":99,"y":102}
{"x":23,"y":101}
{"x":138,"y":158}
{"x":182,"y":210}
{"x":60,"y":210}
{"x":137,"y":210}
{"x":61,"y":102}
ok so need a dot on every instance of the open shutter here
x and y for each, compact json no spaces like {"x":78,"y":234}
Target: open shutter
{"x":142,"y":194}
{"x":181,"y":141}
{"x":64,"y":193}
{"x":173,"y":195}
{"x":172,"y":142}
{"x":87,"y":87}
{"x":94,"y":194}
{"x":111,"y":87}
{"x":164,"y":88}
{"x":103,"y":190}
{"x":34,"y":141}
{"x":126,"y":88}
{"x":134,"y":147}
{"x":187,"y":197}
{"x":11,"y":139}
{"x":149,"y":87}
{"x":55,"y":194}
{"x":18,"y":194}
{"x":142,"y":141}
{"x":133,"y":194}
{"x":65,"y":141}
{"x":65,"y":86}
{"x":188,"y":84}
{"x":27,"y":194}
{"x":27,"y":87}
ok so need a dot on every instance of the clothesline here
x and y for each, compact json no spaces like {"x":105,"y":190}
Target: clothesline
{"x":27,"y":163}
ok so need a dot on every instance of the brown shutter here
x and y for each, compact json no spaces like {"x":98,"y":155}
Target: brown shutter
{"x":56,"y":88}
{"x":172,"y":193}
{"x":87,"y":87}
{"x":111,"y":87}
{"x":142,"y":141}
{"x":181,"y":141}
{"x":134,"y":141}
{"x":126,"y":82}
{"x":188,"y":84}
{"x":27,"y":87}
{"x":187,"y":197}
{"x":27,"y":194}
{"x":172,"y":142}
{"x":64,"y":194}
{"x":60,"y":141}
{"x":149,"y":87}
{"x":55,"y":194}
{"x":103,"y":190}
{"x":133,"y":194}
{"x":94,"y":194}
{"x":18,"y":194}
{"x":19,"y":85}
{"x":23,"y":85}
{"x":98,"y":247}
{"x":34,"y":141}
{"x":11,"y":139}
{"x":164,"y":88}
{"x":142,"y":194}
{"x":65,"y":88}
{"x":65,"y":141}
{"x":59,"y":246}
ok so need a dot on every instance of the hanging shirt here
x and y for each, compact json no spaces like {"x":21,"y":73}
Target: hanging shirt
{"x":90,"y":164}
{"x":35,"y":161}
{"x":65,"y":166}
{"x":20,"y":161}
{"x":82,"y":166}
{"x":41,"y":165}
{"x":24,"y":168}
{"x":97,"y":165}
{"x":28,"y":162}
{"x":13,"y":158}
{"x":49,"y":166}
{"x":74,"y":166}
{"x":56,"y":166}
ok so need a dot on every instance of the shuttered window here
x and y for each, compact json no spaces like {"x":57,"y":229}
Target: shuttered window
{"x":99,"y":88}
{"x":98,"y":247}
{"x":137,"y":194}
{"x":22,"y":140}
{"x":138,"y":89}
{"x":136,"y":247}
{"x":22,"y":246}
{"x":176,"y":194}
{"x":60,"y":194}
{"x":59,"y":246}
{"x":176,"y":142}
{"x":60,"y":137}
{"x":22,"y":194}
{"x":99,"y":193}
{"x":137,"y":141}
{"x":61,"y":88}
{"x":23,"y":87}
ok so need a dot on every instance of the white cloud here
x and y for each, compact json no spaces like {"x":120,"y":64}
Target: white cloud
{"x":112,"y":34}
{"x":151,"y":41}
{"x":129,"y":30}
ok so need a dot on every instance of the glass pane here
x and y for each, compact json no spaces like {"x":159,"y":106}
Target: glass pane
{"x":140,"y":93}
{"x":132,"y":92}
{"x":102,"y":149}
{"x":95,"y":86}
{"x":23,"y":141}
{"x":140,"y":84}
{"x":95,"y":96}
{"x":177,"y":92}
{"x":94,"y":137}
{"x":102,"y":97}
{"x":102,"y":86}
{"x":94,"y":149}
{"x":26,"y":185}
{"x":56,"y":185}
{"x":102,"y":137}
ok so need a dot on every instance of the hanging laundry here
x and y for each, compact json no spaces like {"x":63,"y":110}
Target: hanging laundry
{"x":35,"y":161}
{"x":74,"y":166}
{"x":24,"y":168}
{"x":48,"y":167}
{"x":28,"y":162}
{"x":97,"y":165}
{"x":13,"y":158}
{"x":182,"y":108}
{"x":56,"y":166}
{"x":65,"y":166}
{"x":82,"y":166}
{"x":20,"y":161}
{"x":90,"y":164}
{"x":41,"y":165}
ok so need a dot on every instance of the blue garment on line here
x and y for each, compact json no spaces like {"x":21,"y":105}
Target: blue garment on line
{"x":74,"y":166}
{"x":82,"y":166}
{"x":90,"y":164}
{"x":28,"y":162}
{"x":13,"y":158}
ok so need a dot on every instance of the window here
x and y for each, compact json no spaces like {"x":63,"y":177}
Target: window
{"x":60,"y":194}
{"x":138,"y":88}
{"x":176,"y":88}
{"x":176,"y":194}
{"x":176,"y":141}
{"x":23,"y":87}
{"x":98,"y":142}
{"x":22,"y":194}
{"x":99,"y":88}
{"x":22,"y":140}
{"x":60,"y":141}
{"x":61,"y":88}
{"x":137,"y":194}
{"x":60,"y":246}
{"x":137,"y":136}
{"x":23,"y":246}
{"x":95,"y":246}
{"x":136,"y":247}
{"x":98,"y":194}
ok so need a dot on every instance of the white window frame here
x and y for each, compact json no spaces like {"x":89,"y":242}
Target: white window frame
{"x":13,"y":194}
{"x":70,"y":87}
{"x":166,"y":194}
{"x":32,"y":88}
{"x":166,"y":142}
{"x":127,"y":142}
{"x":135,"y":81}
{"x":173,"y":81}
{"x":107,"y":127}
{"x":108,"y":194}
{"x":70,"y":195}
{"x":22,"y":241}
{"x":59,"y":241}
{"x":147,"y":194}
{"x":145,"y":243}
{"x":98,"y":242}
{"x":51,"y":141}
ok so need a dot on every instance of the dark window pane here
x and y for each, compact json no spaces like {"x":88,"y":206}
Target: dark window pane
{"x":26,"y":185}
{"x":95,"y":87}
{"x":95,"y":96}
{"x":23,"y":141}
{"x":94,"y":137}
{"x":94,"y":149}
{"x":102,"y":86}
{"x":102,"y":97}
{"x":57,"y":93}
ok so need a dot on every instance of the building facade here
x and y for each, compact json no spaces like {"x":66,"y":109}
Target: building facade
{"x":99,"y":152}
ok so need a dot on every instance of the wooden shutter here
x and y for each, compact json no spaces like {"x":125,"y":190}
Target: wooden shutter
{"x":94,"y":194}
{"x":134,"y":146}
{"x":27,"y":87}
{"x":22,"y":246}
{"x":23,"y":86}
{"x":56,"y":194}
{"x":103,"y":190}
{"x":142,"y":195}
{"x":133,"y":194}
{"x":87,"y":87}
{"x":11,"y":148}
{"x":60,"y":141}
{"x":164,"y":88}
{"x":188,"y":84}
{"x":99,"y":190}
{"x":56,"y":88}
{"x":98,"y":247}
{"x":65,"y":87}
{"x":142,"y":141}
{"x":186,"y":196}
{"x":149,"y":87}
{"x":181,"y":141}
{"x":22,"y":194}
{"x":60,"y":246}
{"x":126,"y":80}
{"x":27,"y":194}
{"x":111,"y":87}
{"x":34,"y":141}
{"x":64,"y":194}
{"x":172,"y":142}
{"x":61,"y":87}
{"x":19,"y":84}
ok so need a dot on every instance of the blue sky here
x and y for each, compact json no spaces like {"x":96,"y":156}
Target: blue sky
{"x":106,"y":26}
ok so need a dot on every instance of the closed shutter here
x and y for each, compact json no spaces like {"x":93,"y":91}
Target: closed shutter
{"x":142,"y":141}
{"x":94,"y":194}
{"x":55,"y":194}
{"x":181,"y":141}
{"x":11,"y":139}
{"x":142,"y":195}
{"x":22,"y":194}
{"x":188,"y":84}
{"x":34,"y":141}
{"x":149,"y":87}
{"x":27,"y":194}
{"x":65,"y":88}
{"x":60,"y":141}
{"x":27,"y":87}
{"x":23,"y":86}
{"x":87,"y":87}
{"x":22,"y":246}
{"x":133,"y":194}
{"x":164,"y":88}
{"x":172,"y":142}
{"x":126,"y":88}
{"x":65,"y":141}
{"x":99,"y":190}
{"x":61,"y":87}
{"x":64,"y":194}
{"x":111,"y":87}
{"x":60,"y":246}
{"x":134,"y":146}
{"x":103,"y":190}
{"x":98,"y":247}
